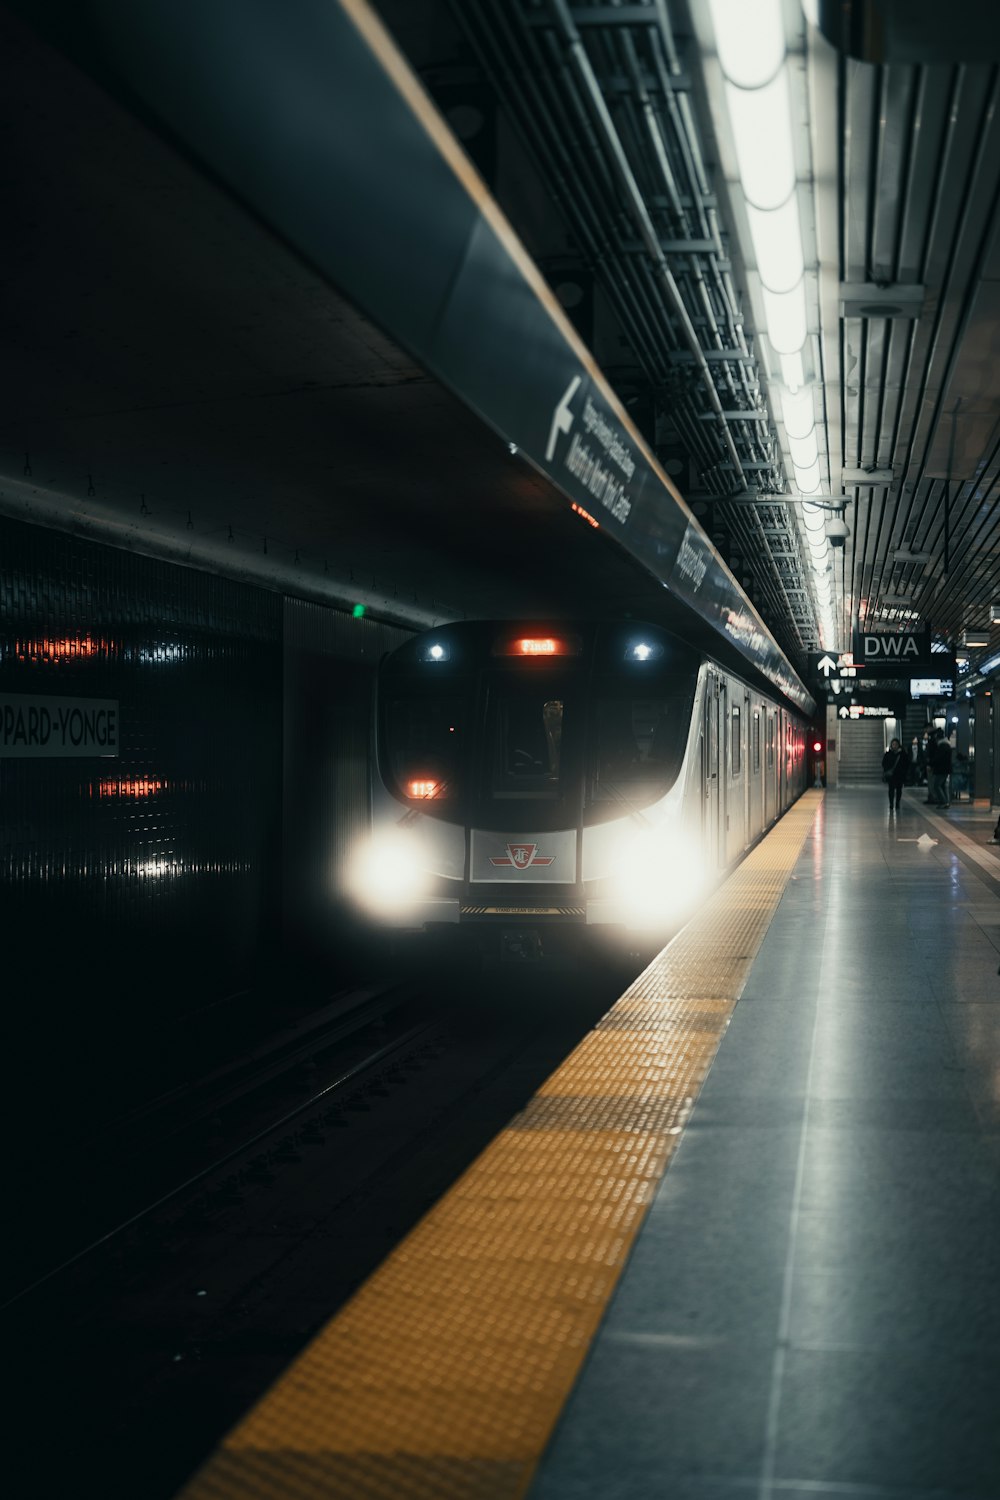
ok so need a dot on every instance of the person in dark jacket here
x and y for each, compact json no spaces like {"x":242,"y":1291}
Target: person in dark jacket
{"x":940,"y":771}
{"x":894,"y":773}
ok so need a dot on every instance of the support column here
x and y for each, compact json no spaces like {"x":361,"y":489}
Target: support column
{"x":985,"y":736}
{"x":832,"y":745}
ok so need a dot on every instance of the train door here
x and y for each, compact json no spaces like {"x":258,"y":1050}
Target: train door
{"x":710,"y":768}
{"x":735,"y":839}
{"x":770,"y":767}
{"x":755,"y":755}
{"x":725,"y":775}
{"x":747,"y":835}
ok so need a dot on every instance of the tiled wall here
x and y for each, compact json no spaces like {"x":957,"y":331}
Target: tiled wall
{"x":330,"y":665}
{"x":137,"y":890}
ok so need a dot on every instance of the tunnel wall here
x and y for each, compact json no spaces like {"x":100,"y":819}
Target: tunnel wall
{"x":139,"y":889}
{"x":330,"y":665}
{"x":153,"y":904}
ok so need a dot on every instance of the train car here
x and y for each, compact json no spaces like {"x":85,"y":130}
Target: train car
{"x":537,"y":784}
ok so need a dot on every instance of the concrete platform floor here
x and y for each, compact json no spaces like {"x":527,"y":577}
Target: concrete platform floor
{"x":812,"y":1309}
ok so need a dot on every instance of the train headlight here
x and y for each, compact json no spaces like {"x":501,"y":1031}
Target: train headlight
{"x":388,"y":877}
{"x":658,"y":876}
{"x":643,"y":650}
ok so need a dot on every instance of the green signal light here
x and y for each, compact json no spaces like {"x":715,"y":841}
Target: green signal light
{"x":358,"y":611}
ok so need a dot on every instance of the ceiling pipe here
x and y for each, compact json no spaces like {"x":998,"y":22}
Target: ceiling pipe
{"x":527,"y":65}
{"x":581,"y":66}
{"x":682,"y":119}
{"x":654,"y":131}
{"x":577,"y":203}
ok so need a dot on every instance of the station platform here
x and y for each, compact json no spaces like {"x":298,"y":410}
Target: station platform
{"x":745,"y":1241}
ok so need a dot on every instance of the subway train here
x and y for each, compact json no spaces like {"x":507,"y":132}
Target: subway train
{"x":538,"y":786}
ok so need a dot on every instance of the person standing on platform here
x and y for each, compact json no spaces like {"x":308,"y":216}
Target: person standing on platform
{"x":930,"y":800}
{"x":916,"y":763}
{"x":894,"y":773}
{"x":940,"y":771}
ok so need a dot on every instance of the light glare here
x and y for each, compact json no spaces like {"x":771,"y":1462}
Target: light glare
{"x":658,"y":875}
{"x":386,"y":877}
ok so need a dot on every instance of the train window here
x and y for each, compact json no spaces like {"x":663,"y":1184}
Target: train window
{"x":770,"y":740}
{"x":525,"y":733}
{"x":639,"y":744}
{"x":756,"y":739}
{"x":424,"y":736}
{"x":737,"y":743}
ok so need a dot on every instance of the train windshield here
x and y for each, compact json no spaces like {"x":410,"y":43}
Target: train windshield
{"x":525,"y":743}
{"x":638,"y":747}
{"x":425,"y":739}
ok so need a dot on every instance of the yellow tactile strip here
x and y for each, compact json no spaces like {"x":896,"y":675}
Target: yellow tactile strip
{"x":444,"y":1375}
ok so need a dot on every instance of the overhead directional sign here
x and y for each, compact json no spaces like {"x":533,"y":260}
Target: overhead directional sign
{"x":830,"y":666}
{"x":893,"y":646}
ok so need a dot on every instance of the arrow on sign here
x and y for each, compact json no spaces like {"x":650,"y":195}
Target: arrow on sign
{"x":845,"y":713}
{"x":826,"y":665}
{"x":562,"y":417}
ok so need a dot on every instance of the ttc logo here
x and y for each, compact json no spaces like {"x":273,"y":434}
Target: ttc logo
{"x":521,"y":856}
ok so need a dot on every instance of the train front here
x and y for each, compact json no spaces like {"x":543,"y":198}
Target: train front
{"x":530,"y":786}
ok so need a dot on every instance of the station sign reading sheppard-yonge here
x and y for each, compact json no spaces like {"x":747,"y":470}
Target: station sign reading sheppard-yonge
{"x":34,"y":726}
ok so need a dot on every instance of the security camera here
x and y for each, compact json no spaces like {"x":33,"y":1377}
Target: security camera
{"x":837,"y":532}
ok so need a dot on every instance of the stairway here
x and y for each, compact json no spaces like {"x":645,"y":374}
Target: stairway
{"x":861,"y":750}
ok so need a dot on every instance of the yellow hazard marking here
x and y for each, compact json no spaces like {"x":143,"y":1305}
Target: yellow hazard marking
{"x":446,"y":1372}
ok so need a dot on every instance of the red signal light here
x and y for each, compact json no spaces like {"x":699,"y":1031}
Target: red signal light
{"x":817,"y":745}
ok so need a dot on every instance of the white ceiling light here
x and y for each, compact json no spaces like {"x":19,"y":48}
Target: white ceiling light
{"x":792,"y":372}
{"x":807,"y":479}
{"x":803,"y":450}
{"x":751,"y":50}
{"x":761,"y":121}
{"x":750,"y":37}
{"x":785,"y":314}
{"x":797,"y":413}
{"x":777,"y":243}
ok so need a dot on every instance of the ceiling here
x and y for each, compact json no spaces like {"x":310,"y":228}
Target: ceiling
{"x":901,"y":224}
{"x":179,"y":380}
{"x":918,"y":392}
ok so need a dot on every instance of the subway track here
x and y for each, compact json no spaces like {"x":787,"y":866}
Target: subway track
{"x":108,"y":1178}
{"x":315,"y":1159}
